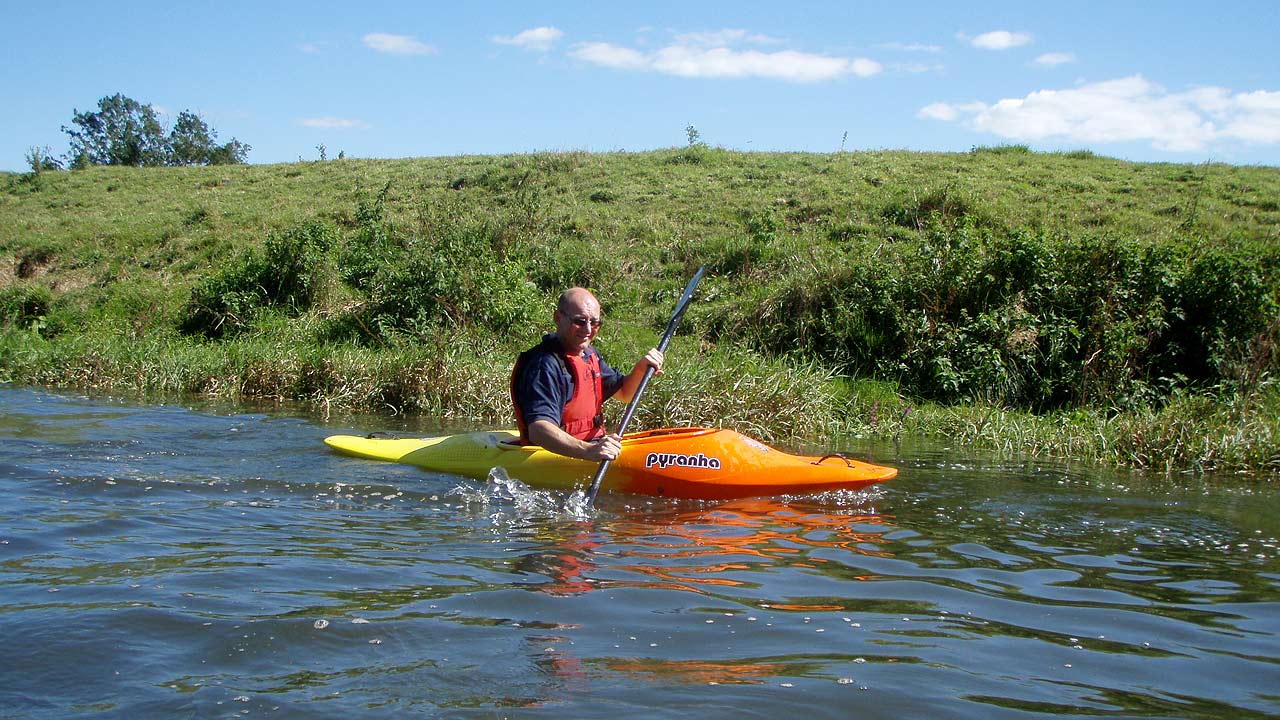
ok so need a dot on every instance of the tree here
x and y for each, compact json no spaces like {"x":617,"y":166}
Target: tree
{"x":233,"y":153}
{"x":122,"y":132}
{"x":126,"y":132}
{"x":40,"y":159}
{"x":191,"y":142}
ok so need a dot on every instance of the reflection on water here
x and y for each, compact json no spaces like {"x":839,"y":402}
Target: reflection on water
{"x":161,"y":561}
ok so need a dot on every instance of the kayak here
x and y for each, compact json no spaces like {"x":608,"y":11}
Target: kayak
{"x":692,"y":462}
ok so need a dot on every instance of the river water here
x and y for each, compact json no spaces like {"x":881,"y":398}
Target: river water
{"x":161,"y":561}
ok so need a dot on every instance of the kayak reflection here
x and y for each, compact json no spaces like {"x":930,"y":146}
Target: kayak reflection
{"x":705,"y":550}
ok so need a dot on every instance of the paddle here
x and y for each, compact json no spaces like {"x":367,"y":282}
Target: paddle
{"x":648,"y":373}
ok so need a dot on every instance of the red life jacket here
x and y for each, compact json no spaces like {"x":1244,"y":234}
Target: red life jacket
{"x":581,"y":416}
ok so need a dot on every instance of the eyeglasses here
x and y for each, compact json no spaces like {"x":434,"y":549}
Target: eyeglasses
{"x":583,"y":321}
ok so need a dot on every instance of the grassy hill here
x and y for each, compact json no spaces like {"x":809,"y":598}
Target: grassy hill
{"x":1065,"y":304}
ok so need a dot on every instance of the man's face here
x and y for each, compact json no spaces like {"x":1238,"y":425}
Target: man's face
{"x":577,"y":323}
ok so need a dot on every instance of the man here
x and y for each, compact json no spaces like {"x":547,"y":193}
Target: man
{"x":559,"y":386}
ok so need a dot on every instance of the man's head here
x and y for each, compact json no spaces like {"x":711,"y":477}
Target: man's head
{"x":577,"y":318}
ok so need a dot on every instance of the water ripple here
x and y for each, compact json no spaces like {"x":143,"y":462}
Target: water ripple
{"x":168,"y":561}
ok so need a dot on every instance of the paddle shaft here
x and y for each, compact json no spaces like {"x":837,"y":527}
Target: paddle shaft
{"x":681,"y":306}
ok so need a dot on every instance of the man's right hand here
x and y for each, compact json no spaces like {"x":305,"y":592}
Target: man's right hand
{"x":549,"y":435}
{"x":606,"y":448}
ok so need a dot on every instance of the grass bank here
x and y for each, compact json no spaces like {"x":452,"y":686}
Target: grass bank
{"x":1061,"y":304}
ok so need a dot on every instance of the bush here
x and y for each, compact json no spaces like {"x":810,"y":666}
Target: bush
{"x":1018,"y":149}
{"x":945,"y":207}
{"x":1027,"y":321}
{"x":292,"y":273}
{"x":554,"y":264}
{"x":1224,"y":326}
{"x":452,"y":270}
{"x":450,"y":277}
{"x":25,"y":305}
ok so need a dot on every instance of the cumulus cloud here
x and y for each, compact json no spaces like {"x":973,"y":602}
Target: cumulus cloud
{"x":539,"y":38}
{"x":1056,"y":58}
{"x":1130,"y":109}
{"x":397,"y":44}
{"x":1254,"y":117}
{"x":333,"y":123}
{"x":707,"y":55}
{"x":1000,"y":40}
{"x":611,"y":56}
{"x":939,"y":111}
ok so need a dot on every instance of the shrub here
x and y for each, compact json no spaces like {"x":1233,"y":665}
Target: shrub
{"x":916,"y":211}
{"x":554,"y":264}
{"x":24,"y":305}
{"x":291,"y":273}
{"x":1017,"y":149}
{"x":453,"y":276}
{"x":1225,"y":321}
{"x":1028,"y":321}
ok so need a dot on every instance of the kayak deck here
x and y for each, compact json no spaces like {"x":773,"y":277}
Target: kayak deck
{"x":706,"y":463}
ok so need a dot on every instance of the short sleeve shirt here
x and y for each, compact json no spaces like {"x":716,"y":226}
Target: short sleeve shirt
{"x":545,"y":385}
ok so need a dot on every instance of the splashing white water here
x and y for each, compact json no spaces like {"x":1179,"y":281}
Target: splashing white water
{"x":506,"y":499}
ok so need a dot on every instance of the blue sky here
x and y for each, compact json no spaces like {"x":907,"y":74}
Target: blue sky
{"x":1154,"y":81}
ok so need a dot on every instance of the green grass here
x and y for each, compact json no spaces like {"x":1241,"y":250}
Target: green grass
{"x":1064,"y":303}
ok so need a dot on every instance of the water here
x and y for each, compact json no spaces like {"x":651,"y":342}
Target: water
{"x":162,"y":561}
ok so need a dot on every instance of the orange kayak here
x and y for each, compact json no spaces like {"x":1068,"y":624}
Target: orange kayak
{"x":694,"y":462}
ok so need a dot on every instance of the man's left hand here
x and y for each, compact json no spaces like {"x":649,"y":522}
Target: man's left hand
{"x":654,"y":359}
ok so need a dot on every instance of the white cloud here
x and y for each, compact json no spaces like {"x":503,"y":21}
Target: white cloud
{"x":1000,"y":40}
{"x":916,"y":68}
{"x":694,"y":58}
{"x":1130,"y":109}
{"x":1254,"y":117}
{"x":719,"y":38}
{"x":612,"y":56}
{"x":397,"y":44}
{"x":1056,"y":58}
{"x":911,"y":47}
{"x":939,"y":111}
{"x":333,"y":123}
{"x":539,"y":38}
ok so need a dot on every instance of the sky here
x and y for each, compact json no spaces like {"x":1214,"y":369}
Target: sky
{"x":1161,"y":80}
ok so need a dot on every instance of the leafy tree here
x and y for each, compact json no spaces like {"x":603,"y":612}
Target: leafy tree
{"x":41,"y":158}
{"x":191,"y":142}
{"x":122,"y":132}
{"x":126,"y":132}
{"x":233,"y":153}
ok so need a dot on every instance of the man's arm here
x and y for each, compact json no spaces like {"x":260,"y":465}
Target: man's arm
{"x":550,"y":436}
{"x":631,"y":382}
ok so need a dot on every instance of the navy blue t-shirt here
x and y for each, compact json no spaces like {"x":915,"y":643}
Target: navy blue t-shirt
{"x":545,"y":385}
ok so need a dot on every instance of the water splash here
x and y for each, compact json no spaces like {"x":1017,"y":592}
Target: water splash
{"x":507,"y":500}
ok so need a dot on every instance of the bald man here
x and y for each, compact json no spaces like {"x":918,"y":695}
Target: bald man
{"x":559,"y":386}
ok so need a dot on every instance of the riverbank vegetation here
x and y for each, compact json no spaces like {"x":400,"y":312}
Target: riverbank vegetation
{"x":1057,"y":304}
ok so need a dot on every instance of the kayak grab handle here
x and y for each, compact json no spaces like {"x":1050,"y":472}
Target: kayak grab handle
{"x":833,"y":455}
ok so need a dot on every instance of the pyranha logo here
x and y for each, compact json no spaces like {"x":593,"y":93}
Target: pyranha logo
{"x":700,"y":460}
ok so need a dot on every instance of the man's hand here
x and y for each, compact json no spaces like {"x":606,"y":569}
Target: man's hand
{"x":549,"y":435}
{"x":606,"y":448}
{"x":654,"y":358}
